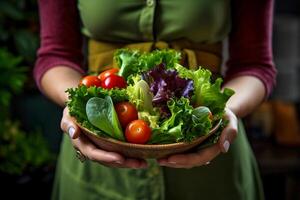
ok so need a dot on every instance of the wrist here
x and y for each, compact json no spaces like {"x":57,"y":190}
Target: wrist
{"x":249,"y":93}
{"x":57,"y":80}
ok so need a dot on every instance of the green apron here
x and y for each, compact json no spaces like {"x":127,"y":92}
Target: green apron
{"x":232,"y":176}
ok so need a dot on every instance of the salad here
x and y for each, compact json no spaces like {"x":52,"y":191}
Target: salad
{"x":149,"y":98}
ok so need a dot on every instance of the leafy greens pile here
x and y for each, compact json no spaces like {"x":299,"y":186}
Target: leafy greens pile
{"x":176,"y":102}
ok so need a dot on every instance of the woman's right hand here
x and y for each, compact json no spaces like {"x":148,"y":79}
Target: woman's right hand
{"x":91,"y":152}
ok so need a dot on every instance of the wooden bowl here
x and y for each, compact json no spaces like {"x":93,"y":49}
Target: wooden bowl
{"x":144,"y":151}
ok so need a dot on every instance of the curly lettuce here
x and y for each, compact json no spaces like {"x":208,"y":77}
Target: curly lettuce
{"x":184,"y":124}
{"x":206,"y":93}
{"x":78,"y":98}
{"x":133,"y":61}
{"x":166,"y":84}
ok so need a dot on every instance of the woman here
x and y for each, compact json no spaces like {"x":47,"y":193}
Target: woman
{"x":196,"y":28}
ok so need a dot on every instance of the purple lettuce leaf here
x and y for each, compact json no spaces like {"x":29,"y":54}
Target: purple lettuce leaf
{"x":165,"y":85}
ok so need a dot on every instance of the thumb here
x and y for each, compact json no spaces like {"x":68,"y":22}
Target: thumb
{"x":230,"y":131}
{"x":68,"y":125}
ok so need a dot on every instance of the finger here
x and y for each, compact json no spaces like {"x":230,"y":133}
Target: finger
{"x":230,"y":131}
{"x":93,"y":153}
{"x":192,"y":159}
{"x":68,"y":126}
{"x":110,"y":159}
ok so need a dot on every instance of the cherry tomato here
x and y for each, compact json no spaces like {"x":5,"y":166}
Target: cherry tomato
{"x":90,"y":81}
{"x":126,"y":113}
{"x":114,"y":81}
{"x":103,"y":75}
{"x":138,"y":132}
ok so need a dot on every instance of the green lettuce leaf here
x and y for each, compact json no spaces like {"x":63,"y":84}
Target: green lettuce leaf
{"x":200,"y":124}
{"x":132,"y":61}
{"x":212,"y":97}
{"x":167,"y":56}
{"x":185,"y":123}
{"x":152,"y":119}
{"x":206,"y":93}
{"x":78,"y":97}
{"x":128,"y":61}
{"x":140,"y":95}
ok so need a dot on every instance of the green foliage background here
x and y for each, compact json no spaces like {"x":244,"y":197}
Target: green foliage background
{"x":20,"y":151}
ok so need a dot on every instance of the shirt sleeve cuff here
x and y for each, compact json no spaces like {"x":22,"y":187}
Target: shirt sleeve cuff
{"x":42,"y":66}
{"x":266,"y":75}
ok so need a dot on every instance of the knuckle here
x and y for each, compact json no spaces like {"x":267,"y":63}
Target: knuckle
{"x":89,"y":154}
{"x":90,"y":157}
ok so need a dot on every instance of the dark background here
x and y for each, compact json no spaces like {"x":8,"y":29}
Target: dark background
{"x":29,"y":123}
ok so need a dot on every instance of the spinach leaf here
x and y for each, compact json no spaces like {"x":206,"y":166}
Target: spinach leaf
{"x":101,"y":113}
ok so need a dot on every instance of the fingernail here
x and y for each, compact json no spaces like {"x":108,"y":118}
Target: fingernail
{"x":172,"y":162}
{"x":71,"y":131}
{"x":226,"y":145}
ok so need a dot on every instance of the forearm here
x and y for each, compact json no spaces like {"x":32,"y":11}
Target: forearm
{"x":249,"y":93}
{"x":57,"y":80}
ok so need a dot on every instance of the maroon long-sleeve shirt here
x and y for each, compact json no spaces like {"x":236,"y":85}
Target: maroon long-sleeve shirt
{"x":250,"y":44}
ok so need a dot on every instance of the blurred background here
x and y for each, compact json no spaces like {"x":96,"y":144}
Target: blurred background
{"x":29,"y":123}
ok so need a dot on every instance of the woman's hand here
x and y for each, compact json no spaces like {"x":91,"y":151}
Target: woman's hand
{"x":205,"y":156}
{"x":91,"y":152}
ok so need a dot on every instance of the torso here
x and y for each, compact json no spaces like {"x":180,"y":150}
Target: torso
{"x":205,"y":21}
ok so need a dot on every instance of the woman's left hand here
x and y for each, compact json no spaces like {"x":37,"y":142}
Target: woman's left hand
{"x":205,"y":156}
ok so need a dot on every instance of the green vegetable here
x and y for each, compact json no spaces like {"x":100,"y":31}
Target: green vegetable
{"x":169,"y":136}
{"x":171,"y":129}
{"x":167,"y":56}
{"x":184,"y":124}
{"x":140,"y":95}
{"x":101,"y":113}
{"x":152,"y":119}
{"x":200,"y":123}
{"x":212,"y":97}
{"x":206,"y":93}
{"x":133,"y":61}
{"x":128,"y":61}
{"x":93,"y":107}
{"x":79,"y":96}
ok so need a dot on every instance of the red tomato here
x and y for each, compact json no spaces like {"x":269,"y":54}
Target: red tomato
{"x":126,"y":113}
{"x":138,"y":132}
{"x":103,"y":75}
{"x":90,"y":81}
{"x":114,"y":81}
